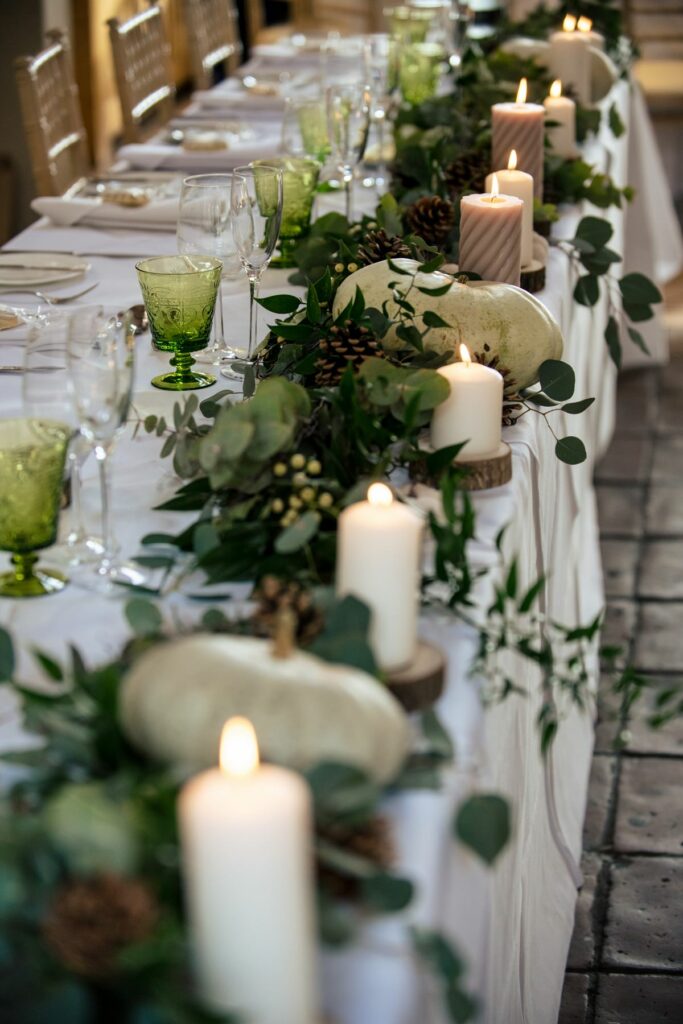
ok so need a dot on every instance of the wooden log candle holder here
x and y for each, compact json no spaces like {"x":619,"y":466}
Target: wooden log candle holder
{"x":532,"y":278}
{"x":419,"y":685}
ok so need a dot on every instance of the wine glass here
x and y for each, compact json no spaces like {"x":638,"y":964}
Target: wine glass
{"x":205,"y":228}
{"x":101,"y":360}
{"x":256,"y":218}
{"x":179,"y":293}
{"x":32,"y":459}
{"x":381,"y":61}
{"x":348,"y":119}
{"x":45,"y":392}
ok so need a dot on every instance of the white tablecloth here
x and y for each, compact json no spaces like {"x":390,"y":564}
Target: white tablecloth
{"x":513,"y":923}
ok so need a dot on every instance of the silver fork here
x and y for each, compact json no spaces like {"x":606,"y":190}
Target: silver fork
{"x":52,"y":300}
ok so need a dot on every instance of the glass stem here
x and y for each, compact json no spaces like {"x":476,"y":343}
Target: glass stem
{"x":381,"y":165}
{"x":348,"y":181}
{"x":219,"y":323}
{"x":254,"y":283}
{"x":108,"y":542}
{"x":23,"y":566}
{"x":77,"y":531}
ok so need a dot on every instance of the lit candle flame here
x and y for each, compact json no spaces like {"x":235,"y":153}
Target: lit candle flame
{"x":380,"y":495}
{"x":522,"y":91}
{"x":569,"y":23}
{"x":584,"y":24}
{"x":465,"y":356}
{"x":239,"y":754}
{"x":512,"y":162}
{"x":495,"y":187}
{"x":556,"y":89}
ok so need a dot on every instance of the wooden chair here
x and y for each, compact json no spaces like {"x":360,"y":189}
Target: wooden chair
{"x":142,"y":64}
{"x":213,"y":38}
{"x":52,"y":118}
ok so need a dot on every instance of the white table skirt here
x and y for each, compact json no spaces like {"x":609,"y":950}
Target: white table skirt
{"x":513,"y":923}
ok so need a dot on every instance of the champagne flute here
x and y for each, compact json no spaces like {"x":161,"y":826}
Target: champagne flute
{"x":205,"y":228}
{"x":256,"y":218}
{"x":381,"y":61}
{"x":348,"y":119}
{"x":45,"y":392}
{"x":100,"y":358}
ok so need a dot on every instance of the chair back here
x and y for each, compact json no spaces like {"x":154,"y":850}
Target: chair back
{"x":50,"y":110}
{"x":213,"y":38}
{"x":142,"y":64}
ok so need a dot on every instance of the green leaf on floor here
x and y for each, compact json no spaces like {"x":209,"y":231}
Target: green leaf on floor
{"x":483,"y":824}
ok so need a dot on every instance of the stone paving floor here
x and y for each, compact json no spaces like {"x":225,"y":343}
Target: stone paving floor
{"x":625,"y":964}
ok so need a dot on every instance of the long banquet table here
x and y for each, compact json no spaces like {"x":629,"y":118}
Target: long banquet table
{"x":513,"y":922}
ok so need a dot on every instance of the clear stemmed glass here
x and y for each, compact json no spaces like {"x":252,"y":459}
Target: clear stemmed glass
{"x":256,"y":215}
{"x":45,"y":392}
{"x":348,"y":119}
{"x":101,"y":357}
{"x":205,"y":228}
{"x":381,"y":62}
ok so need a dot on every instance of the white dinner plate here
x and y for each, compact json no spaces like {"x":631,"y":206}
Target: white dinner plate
{"x":41,"y":268}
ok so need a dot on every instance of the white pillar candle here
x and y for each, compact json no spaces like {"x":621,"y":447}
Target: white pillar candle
{"x":569,"y":58}
{"x":512,"y":182}
{"x":595,"y":39}
{"x":473,"y":411}
{"x":245,"y":833}
{"x":378,"y":559}
{"x":491,"y":236}
{"x":519,"y":126}
{"x":562,"y":110}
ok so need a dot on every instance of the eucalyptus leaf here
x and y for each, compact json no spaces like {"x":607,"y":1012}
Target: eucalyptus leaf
{"x":571,"y":450}
{"x":557,"y":379}
{"x":613,"y":342}
{"x":574,"y":408}
{"x":639,"y":289}
{"x":143,"y":617}
{"x":294,"y":537}
{"x":483,"y":824}
{"x":386,"y":893}
{"x":280,"y":303}
{"x":594,"y":230}
{"x":587,"y":290}
{"x":637,"y":339}
{"x":7,"y":660}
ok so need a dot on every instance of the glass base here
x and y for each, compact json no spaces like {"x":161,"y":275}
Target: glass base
{"x":79,"y":549}
{"x":110,"y":576}
{"x":36,"y":584}
{"x":183,"y":382}
{"x":236,"y":369}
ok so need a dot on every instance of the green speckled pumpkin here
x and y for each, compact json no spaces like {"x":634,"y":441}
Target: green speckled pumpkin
{"x":515,"y":325}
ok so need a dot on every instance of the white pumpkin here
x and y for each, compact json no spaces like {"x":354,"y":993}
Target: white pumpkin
{"x":175,"y":699}
{"x":515,"y":325}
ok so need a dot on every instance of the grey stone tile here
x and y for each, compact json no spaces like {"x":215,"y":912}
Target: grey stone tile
{"x":668,"y":739}
{"x":637,"y":401}
{"x":620,"y":510}
{"x":619,"y":626}
{"x":574,"y":1006}
{"x":600,"y":792}
{"x":582,"y":948}
{"x":659,"y":645}
{"x":670,"y":414}
{"x":619,"y":560}
{"x":649,"y":810}
{"x":638,"y":999}
{"x":627,"y":460}
{"x":642,"y":928}
{"x":667,"y":465}
{"x":661,"y":569}
{"x":664,"y":511}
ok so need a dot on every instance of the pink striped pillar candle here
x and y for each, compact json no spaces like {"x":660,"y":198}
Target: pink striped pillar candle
{"x":491,"y":236}
{"x":519,"y":126}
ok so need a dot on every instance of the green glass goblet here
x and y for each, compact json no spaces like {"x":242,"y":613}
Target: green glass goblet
{"x":32,"y":458}
{"x":419,"y":71}
{"x":299,"y":182}
{"x":180,"y":296}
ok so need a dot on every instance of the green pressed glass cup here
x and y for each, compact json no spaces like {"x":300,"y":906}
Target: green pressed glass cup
{"x":419,"y":71}
{"x":299,"y":182}
{"x":180,"y":296}
{"x":32,"y":457}
{"x":410,"y":24}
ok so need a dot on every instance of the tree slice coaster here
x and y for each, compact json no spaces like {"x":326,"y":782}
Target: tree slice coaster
{"x":487,"y":471}
{"x":533,"y":277}
{"x":421,"y":683}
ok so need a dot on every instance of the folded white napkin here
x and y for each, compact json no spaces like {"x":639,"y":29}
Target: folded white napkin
{"x":159,"y":155}
{"x":157,"y":215}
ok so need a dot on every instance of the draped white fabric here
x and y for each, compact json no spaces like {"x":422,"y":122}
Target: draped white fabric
{"x":513,"y":922}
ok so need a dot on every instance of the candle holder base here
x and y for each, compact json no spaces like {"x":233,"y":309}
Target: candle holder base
{"x":487,"y":471}
{"x":420,"y":684}
{"x":533,"y":274}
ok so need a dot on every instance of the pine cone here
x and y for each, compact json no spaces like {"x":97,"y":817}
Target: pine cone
{"x":347,"y":343}
{"x":378,"y":245}
{"x":432,"y":219}
{"x":272,"y":595}
{"x":373,"y":841}
{"x":511,"y":404}
{"x":91,"y":921}
{"x":467,"y":173}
